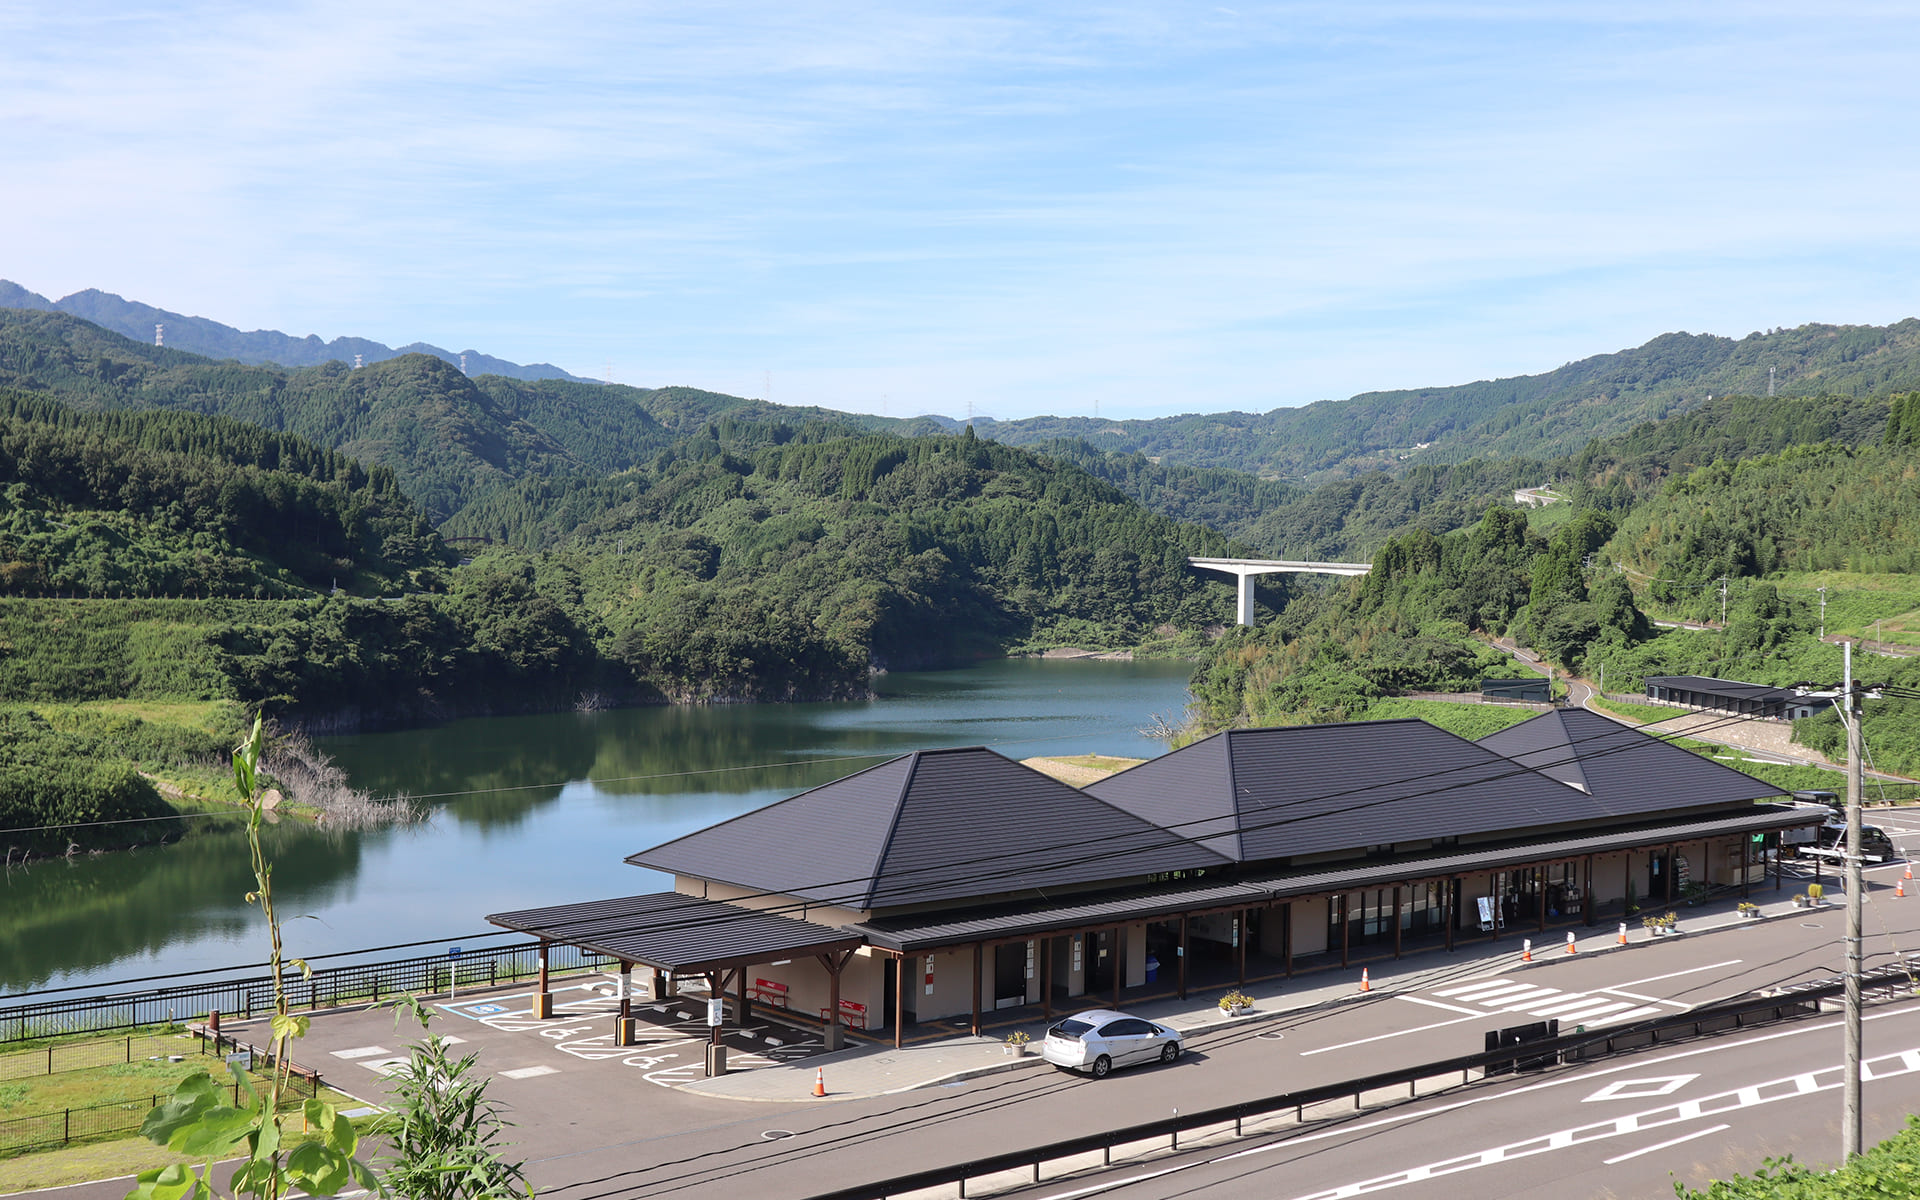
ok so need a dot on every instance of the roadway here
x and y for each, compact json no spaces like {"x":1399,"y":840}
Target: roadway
{"x":596,"y":1126}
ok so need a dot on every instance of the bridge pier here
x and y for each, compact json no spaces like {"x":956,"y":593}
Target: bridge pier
{"x":1247,"y":569}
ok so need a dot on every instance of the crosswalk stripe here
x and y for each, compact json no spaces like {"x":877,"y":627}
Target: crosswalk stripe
{"x":1475,"y":991}
{"x":1519,"y":1000}
{"x":1580,"y":1010}
{"x":1632,"y":1014}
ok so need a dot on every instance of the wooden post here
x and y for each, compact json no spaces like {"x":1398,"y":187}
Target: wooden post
{"x":1540,"y":894}
{"x":1046,"y":978}
{"x":1346,"y":928}
{"x":976,"y":989}
{"x":1746,"y":865}
{"x":1449,"y":915}
{"x":741,"y":991}
{"x":1119,"y":961}
{"x":1669,"y":873}
{"x":1286,"y":935}
{"x":543,"y":1002}
{"x":1183,"y":955}
{"x":1586,"y":882}
{"x":1245,"y":917}
{"x":833,"y":963}
{"x":1779,"y":873}
{"x":1396,"y":920}
{"x":900,"y":1000}
{"x":1499,"y":912}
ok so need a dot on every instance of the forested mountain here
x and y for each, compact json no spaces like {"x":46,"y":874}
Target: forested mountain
{"x":198,"y":335}
{"x":1540,"y":416}
{"x":157,"y":503}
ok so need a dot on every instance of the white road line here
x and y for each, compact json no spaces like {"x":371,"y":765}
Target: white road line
{"x":1399,"y":1032}
{"x":1686,"y":1137}
{"x":360,"y":1052}
{"x":1632,"y":1014}
{"x":1586,"y":1006}
{"x":1803,"y":1083}
{"x":1474,"y":991}
{"x":1438,"y":1004}
{"x":1640,"y":998}
{"x":530,"y":1072}
{"x":1732,"y":962}
{"x":1519,"y":1000}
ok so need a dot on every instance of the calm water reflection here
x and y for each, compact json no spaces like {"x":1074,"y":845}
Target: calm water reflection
{"x":538,"y":810}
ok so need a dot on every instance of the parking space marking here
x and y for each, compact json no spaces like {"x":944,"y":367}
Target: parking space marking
{"x":360,"y":1052}
{"x":670,"y":1034}
{"x":529,"y":1072}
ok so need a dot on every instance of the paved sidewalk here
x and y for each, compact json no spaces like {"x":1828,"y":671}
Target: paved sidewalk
{"x":863,"y":1071}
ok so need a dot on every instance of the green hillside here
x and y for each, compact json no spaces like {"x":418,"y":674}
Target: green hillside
{"x":1538,"y":416}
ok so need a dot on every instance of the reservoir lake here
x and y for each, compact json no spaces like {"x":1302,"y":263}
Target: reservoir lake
{"x":535,"y":810}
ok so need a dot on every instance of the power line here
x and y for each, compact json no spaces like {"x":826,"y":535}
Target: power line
{"x":1174,"y":839}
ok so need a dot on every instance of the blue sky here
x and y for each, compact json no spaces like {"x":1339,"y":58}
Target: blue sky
{"x":1151,"y":208}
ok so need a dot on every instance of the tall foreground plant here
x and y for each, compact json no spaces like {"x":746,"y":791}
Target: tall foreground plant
{"x":444,"y":1131}
{"x":198,"y":1120}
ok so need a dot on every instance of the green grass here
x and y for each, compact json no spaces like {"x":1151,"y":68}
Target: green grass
{"x":1470,"y":721}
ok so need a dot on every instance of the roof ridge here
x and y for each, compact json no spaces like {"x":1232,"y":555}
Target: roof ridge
{"x":1152,"y":826}
{"x":893,"y":827}
{"x":1233,"y":803}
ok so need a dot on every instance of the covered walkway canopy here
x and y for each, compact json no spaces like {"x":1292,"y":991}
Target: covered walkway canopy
{"x":684,"y":935}
{"x":681,"y":935}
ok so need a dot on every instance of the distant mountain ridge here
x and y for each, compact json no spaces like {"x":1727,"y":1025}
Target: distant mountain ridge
{"x":199,"y":335}
{"x":1534,"y":416}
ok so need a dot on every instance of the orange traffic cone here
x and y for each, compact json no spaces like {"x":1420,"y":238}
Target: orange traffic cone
{"x":1899,"y":889}
{"x":1365,"y":985}
{"x":1526,"y":950}
{"x":1570,"y":946}
{"x":1623,"y":933}
{"x":819,"y":1081}
{"x":1909,"y":874}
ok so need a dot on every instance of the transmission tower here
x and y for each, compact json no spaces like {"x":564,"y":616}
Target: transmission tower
{"x":159,"y":335}
{"x":1769,"y":382}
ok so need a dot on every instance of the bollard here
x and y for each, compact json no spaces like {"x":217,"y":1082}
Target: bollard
{"x":1526,"y":950}
{"x":1623,"y":933}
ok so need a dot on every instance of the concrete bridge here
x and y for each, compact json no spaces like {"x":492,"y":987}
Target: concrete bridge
{"x":1247,"y":568}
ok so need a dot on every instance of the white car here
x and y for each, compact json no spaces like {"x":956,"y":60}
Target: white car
{"x":1101,"y":1039}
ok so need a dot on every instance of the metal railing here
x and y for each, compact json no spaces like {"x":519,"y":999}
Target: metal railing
{"x":1574,"y":1047}
{"x":327,"y":987}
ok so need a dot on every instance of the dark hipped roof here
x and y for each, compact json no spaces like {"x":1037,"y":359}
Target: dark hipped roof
{"x":1256,"y":794}
{"x":1731,"y":689}
{"x":935,"y":825}
{"x":1627,"y":772}
{"x":931,"y":931}
{"x":672,"y":932}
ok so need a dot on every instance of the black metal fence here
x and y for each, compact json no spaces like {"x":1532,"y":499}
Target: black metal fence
{"x":327,"y":987}
{"x":113,"y":1118}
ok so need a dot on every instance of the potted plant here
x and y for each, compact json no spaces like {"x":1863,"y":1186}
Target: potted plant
{"x":1748,"y":911}
{"x":1235,"y":1003}
{"x":1816,"y":894}
{"x":1017,"y":1042}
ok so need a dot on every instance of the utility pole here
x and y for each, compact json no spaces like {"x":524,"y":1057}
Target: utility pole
{"x":1823,"y":612}
{"x":1856,"y":883}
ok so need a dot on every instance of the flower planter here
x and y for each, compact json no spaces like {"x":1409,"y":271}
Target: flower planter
{"x":1239,"y":1010}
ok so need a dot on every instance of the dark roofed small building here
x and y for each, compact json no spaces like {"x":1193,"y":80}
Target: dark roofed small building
{"x":1534,"y":689}
{"x":1732,"y":696}
{"x":952,"y":882}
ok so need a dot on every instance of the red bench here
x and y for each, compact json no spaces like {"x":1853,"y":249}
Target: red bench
{"x":852,"y":1015}
{"x":768,"y":992}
